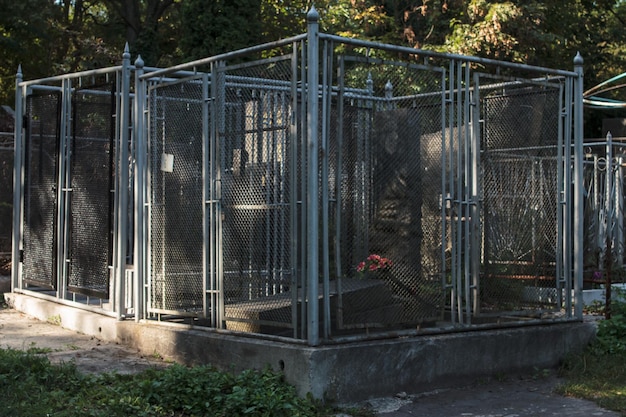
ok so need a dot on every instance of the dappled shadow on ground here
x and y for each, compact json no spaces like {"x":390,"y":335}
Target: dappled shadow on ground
{"x":89,"y":354}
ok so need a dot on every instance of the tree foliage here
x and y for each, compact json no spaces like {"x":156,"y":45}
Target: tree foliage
{"x":211,"y":28}
{"x":49,"y":37}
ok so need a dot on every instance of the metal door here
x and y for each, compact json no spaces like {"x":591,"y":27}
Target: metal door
{"x":41,"y":174}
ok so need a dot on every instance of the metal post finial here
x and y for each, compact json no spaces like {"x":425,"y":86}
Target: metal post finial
{"x":578,"y":59}
{"x":388,"y":89}
{"x":126,"y":54}
{"x":312,"y":15}
{"x":370,"y":83}
{"x":139,"y":62}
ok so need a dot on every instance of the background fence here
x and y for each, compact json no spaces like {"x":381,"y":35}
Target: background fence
{"x":253,"y":187}
{"x":6,"y":184}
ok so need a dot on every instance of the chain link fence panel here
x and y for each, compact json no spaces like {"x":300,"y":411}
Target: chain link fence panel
{"x":256,"y":164}
{"x":176,"y":237}
{"x":40,"y":189}
{"x":389,"y":187}
{"x":91,"y":204}
{"x":519,"y":169}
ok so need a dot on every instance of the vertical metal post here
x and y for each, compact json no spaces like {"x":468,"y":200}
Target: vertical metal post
{"x":608,"y":219}
{"x":566,"y":206}
{"x":475,"y":237}
{"x":467,"y":198}
{"x":608,"y":192}
{"x":458,"y":193}
{"x":210,"y":294}
{"x":560,"y":201}
{"x":302,"y":237}
{"x":326,"y":98}
{"x":63,"y":189}
{"x":312,"y":198}
{"x":578,"y":187}
{"x":444,"y":192}
{"x":141,"y":152}
{"x":449,"y":172}
{"x":619,"y":212}
{"x":218,"y":122}
{"x":212,"y":254}
{"x":338,"y":192}
{"x":293,"y":191}
{"x":18,"y":183}
{"x":121,"y":207}
{"x":339,"y":172}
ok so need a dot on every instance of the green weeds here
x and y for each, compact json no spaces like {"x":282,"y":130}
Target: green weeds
{"x":599,"y":373}
{"x":31,"y":386}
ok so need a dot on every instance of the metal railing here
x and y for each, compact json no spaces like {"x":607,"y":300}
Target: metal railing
{"x":259,"y":180}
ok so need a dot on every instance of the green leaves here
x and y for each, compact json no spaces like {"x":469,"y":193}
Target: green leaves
{"x":30,"y":385}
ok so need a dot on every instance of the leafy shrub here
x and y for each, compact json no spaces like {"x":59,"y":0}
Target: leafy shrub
{"x":31,"y":386}
{"x":611,"y":336}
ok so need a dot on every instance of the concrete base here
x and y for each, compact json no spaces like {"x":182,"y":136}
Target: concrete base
{"x":344,"y":372}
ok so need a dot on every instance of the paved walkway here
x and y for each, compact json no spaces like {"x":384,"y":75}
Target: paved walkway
{"x":511,"y":397}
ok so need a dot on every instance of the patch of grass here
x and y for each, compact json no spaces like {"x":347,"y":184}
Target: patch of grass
{"x":56,"y":320}
{"x":599,"y":373}
{"x":156,"y":356}
{"x":541,"y":373}
{"x":599,"y":378}
{"x":31,"y":386}
{"x":36,"y":350}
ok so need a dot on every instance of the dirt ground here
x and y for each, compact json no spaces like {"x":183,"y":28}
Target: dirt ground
{"x":19,"y":331}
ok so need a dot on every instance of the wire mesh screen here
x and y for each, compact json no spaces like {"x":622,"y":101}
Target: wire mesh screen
{"x":255,"y":158}
{"x":389,"y":187}
{"x":176,"y":158}
{"x":91,"y":204}
{"x":520,"y":137}
{"x":40,"y":191}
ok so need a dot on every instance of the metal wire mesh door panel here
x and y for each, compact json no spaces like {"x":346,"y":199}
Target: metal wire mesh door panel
{"x":255,"y":154}
{"x":176,"y":237}
{"x":91,"y":204}
{"x":520,"y":197}
{"x":40,"y":191}
{"x":390,"y":194}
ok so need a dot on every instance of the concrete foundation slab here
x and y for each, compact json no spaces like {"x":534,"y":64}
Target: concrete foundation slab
{"x":344,"y":372}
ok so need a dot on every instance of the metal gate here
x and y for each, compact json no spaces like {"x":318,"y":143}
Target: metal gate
{"x":522,"y":177}
{"x":69,"y":187}
{"x":41,"y":173}
{"x":220,"y":196}
{"x":176,"y":161}
{"x":385,"y":179}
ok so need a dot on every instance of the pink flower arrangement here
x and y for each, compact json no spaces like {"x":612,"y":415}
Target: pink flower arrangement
{"x":374,"y":263}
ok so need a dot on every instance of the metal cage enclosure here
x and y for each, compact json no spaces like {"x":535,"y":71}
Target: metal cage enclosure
{"x":242,"y":191}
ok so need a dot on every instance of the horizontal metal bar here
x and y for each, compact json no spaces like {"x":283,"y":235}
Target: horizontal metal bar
{"x":257,"y":206}
{"x":99,"y":71}
{"x":225,"y":56}
{"x":456,"y":57}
